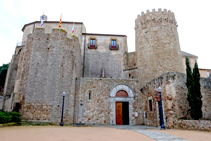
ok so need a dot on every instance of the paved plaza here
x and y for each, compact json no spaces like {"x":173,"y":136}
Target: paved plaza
{"x":99,"y":133}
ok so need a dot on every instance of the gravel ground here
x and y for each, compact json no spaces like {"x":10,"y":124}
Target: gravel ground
{"x":67,"y":133}
{"x":191,"y":135}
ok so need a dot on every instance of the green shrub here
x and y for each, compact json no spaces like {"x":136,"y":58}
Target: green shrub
{"x":16,"y":117}
{"x":6,"y":117}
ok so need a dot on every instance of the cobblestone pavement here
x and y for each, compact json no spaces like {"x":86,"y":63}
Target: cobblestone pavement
{"x":158,"y":136}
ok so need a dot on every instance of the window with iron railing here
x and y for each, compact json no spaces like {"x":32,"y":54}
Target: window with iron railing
{"x":113,"y":47}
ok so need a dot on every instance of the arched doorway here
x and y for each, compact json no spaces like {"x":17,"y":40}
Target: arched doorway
{"x":122,"y":109}
{"x":122,"y":94}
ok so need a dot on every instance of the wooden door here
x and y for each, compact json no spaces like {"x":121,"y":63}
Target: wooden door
{"x":118,"y":113}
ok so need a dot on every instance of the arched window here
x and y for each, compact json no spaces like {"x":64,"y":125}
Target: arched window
{"x":121,"y":93}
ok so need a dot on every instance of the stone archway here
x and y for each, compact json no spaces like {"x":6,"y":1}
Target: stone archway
{"x":113,"y":99}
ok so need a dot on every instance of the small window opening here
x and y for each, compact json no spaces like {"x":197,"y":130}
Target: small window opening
{"x":89,"y":95}
{"x":129,"y":75}
{"x":150,"y":105}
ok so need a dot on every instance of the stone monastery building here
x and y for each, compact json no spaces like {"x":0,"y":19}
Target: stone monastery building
{"x":116,"y":86}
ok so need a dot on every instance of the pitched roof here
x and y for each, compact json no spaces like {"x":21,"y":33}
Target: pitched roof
{"x":188,"y":54}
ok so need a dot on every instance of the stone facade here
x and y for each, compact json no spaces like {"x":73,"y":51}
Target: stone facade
{"x":98,"y":109}
{"x":131,"y":69}
{"x":157,"y":44}
{"x":200,"y":125}
{"x":174,"y":97}
{"x":40,"y":87}
{"x":102,"y":58}
{"x":50,"y":61}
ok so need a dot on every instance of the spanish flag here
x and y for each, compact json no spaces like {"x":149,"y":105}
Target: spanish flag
{"x":60,"y":23}
{"x":73,"y":29}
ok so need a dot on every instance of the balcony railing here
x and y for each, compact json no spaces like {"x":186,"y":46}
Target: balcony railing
{"x":90,"y":46}
{"x":114,"y":47}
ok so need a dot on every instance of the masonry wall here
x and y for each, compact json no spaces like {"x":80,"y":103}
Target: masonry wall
{"x":12,"y":71}
{"x":53,"y":66}
{"x":131,"y":69}
{"x":97,"y":109}
{"x":112,"y":61}
{"x":130,"y":60}
{"x":174,"y":96}
{"x":192,"y":61}
{"x":200,"y":125}
{"x":206,"y":73}
{"x":157,"y":44}
{"x":79,"y":28}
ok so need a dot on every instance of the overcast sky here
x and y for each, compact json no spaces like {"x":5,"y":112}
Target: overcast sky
{"x":109,"y":17}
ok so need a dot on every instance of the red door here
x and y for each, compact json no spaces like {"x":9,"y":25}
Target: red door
{"x":118,"y":113}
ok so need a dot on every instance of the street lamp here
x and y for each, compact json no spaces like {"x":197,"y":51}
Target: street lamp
{"x":81,"y":103}
{"x":63,"y":94}
{"x":161,"y":109}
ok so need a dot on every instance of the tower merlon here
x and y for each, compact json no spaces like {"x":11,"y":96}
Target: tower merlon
{"x":159,"y":16}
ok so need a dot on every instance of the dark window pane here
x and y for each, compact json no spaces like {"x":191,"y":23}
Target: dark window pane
{"x":150,"y":105}
{"x":89,"y":95}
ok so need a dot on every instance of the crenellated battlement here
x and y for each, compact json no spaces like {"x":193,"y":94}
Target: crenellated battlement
{"x":154,"y":18}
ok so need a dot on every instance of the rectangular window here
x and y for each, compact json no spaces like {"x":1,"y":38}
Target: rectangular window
{"x":150,"y":105}
{"x":113,"y":43}
{"x":92,"y":43}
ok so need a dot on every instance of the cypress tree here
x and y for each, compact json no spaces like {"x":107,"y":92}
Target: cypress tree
{"x":189,"y":84}
{"x":197,"y":92}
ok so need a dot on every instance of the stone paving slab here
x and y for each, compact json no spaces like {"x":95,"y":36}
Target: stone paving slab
{"x":159,"y":136}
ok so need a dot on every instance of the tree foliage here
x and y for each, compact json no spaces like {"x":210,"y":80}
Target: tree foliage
{"x":194,"y":91}
{"x":3,"y":73}
{"x":189,"y":84}
{"x":197,"y":92}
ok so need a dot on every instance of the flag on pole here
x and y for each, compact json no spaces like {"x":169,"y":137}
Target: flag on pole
{"x":73,"y":29}
{"x":42,"y":19}
{"x":60,"y":23}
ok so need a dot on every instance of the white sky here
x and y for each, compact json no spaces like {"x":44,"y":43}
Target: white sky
{"x":109,"y":17}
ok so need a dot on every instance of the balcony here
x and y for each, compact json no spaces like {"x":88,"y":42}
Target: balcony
{"x":92,"y":46}
{"x":114,"y":47}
